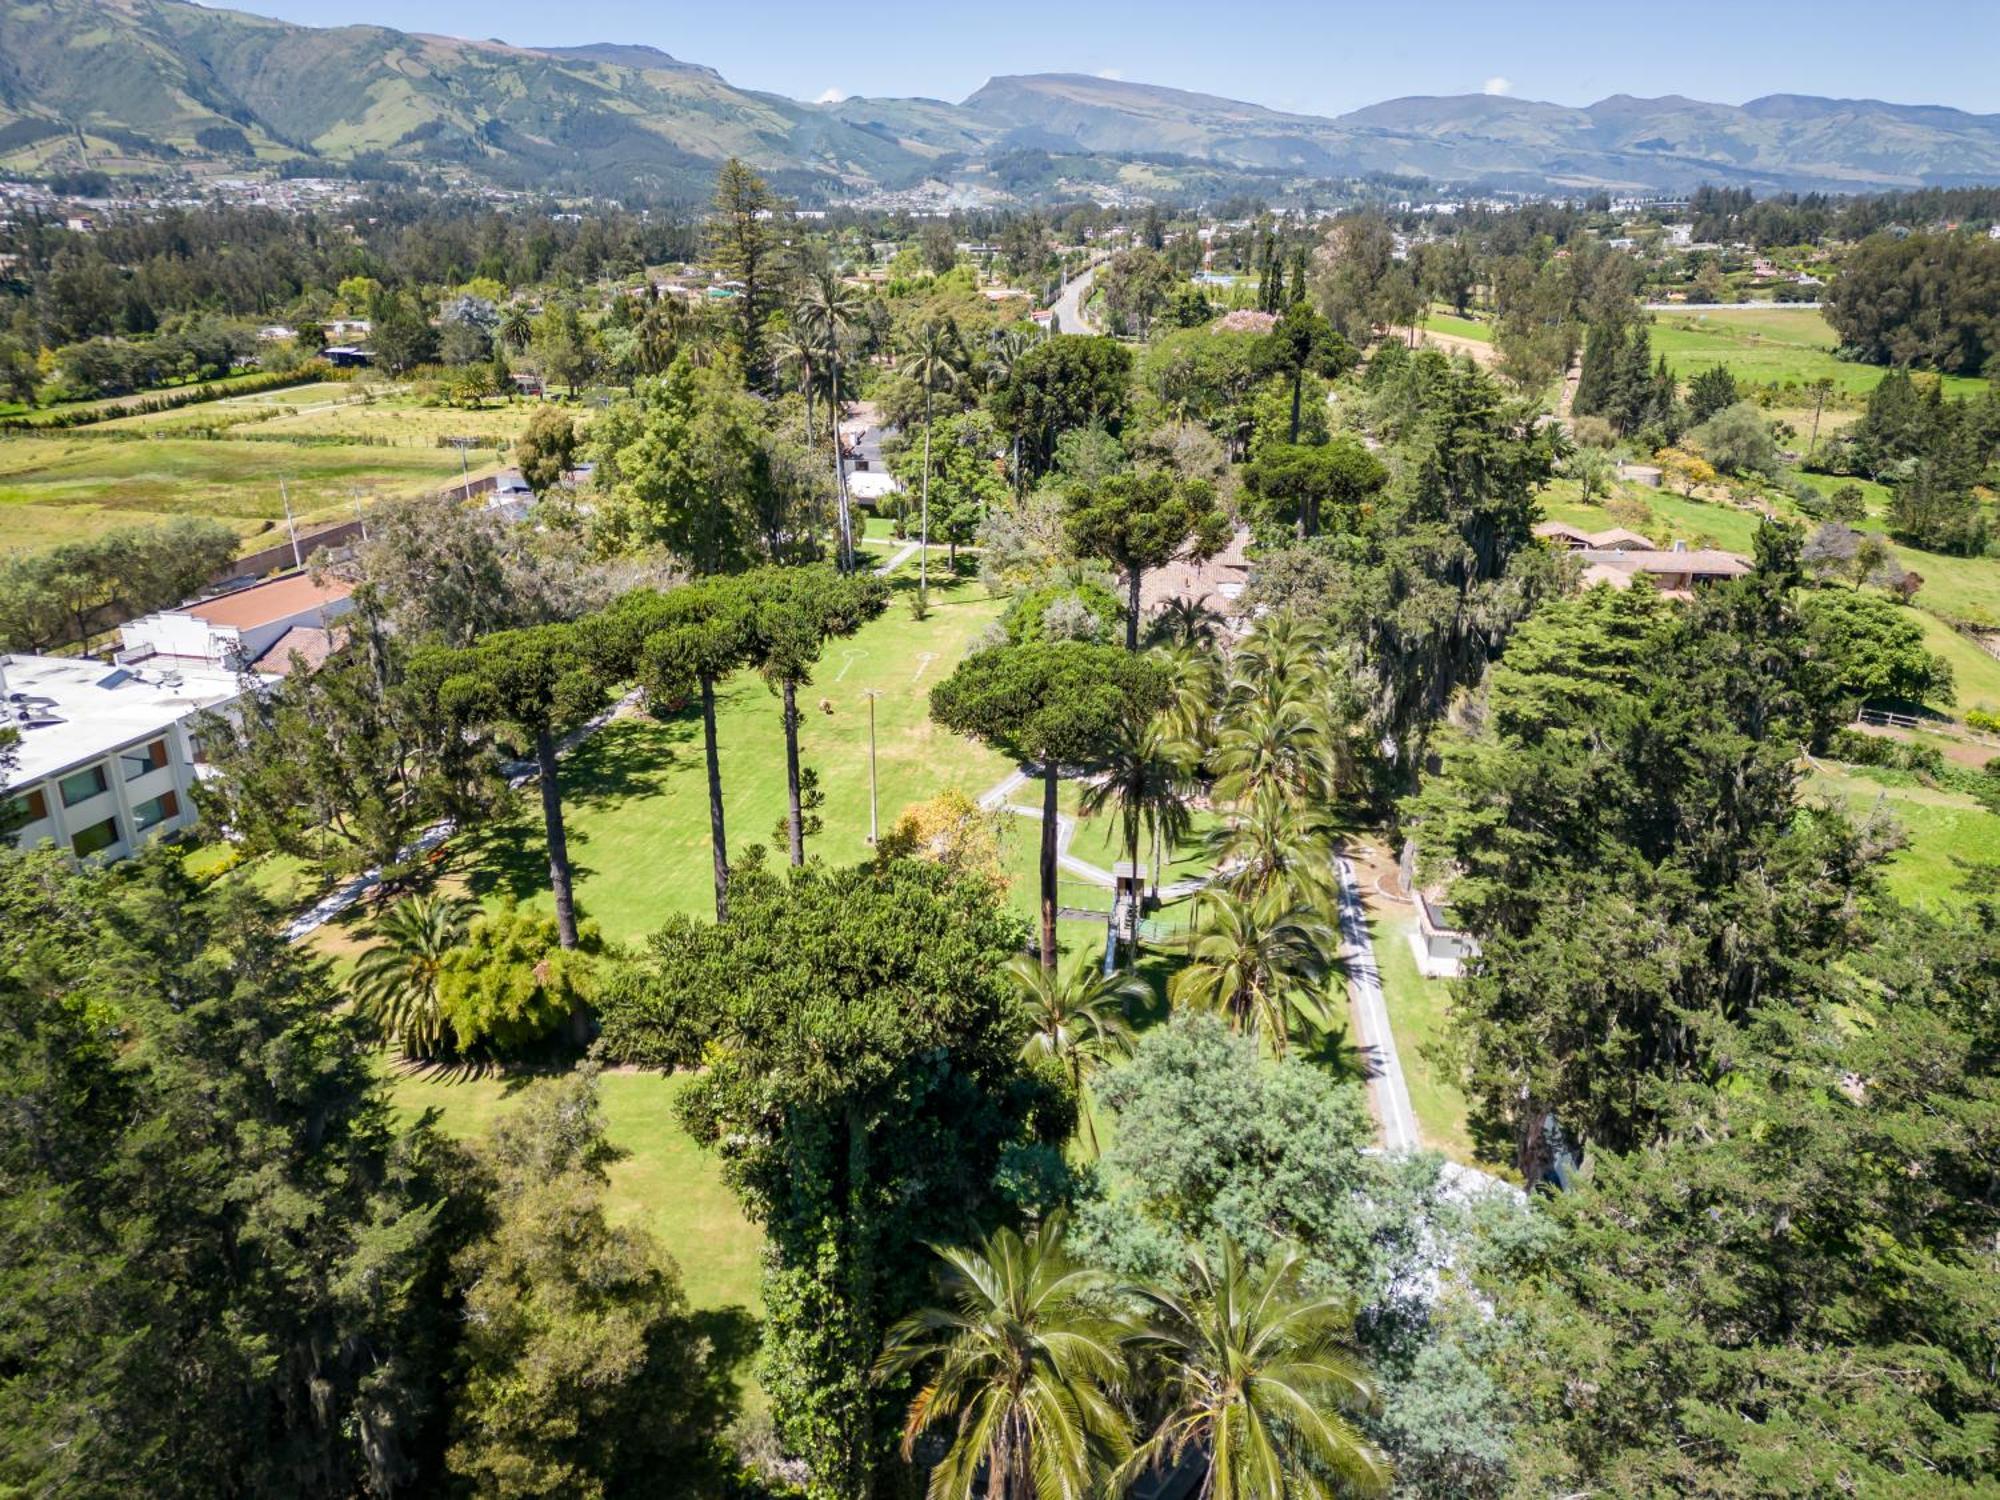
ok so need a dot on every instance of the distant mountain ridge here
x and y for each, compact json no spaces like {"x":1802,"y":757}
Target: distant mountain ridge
{"x":128,"y":84}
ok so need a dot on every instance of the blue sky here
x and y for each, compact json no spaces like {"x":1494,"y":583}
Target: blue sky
{"x":1320,"y":58}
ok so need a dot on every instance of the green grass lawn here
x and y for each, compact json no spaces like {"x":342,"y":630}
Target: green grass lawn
{"x":1673,"y":516}
{"x":635,"y":796}
{"x":663,"y":1179}
{"x":1768,"y":345}
{"x":1439,"y":321}
{"x":61,"y":487}
{"x":1943,"y":827}
{"x":1417,"y":1009}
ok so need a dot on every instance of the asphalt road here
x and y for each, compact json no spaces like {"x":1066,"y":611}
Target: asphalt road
{"x":1069,"y":304}
{"x":1387,"y":1088}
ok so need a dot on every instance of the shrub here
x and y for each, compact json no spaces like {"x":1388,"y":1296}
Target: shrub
{"x":511,"y":985}
{"x":1986,"y":723}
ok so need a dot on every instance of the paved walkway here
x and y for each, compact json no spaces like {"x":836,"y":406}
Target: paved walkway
{"x":1388,"y":1090}
{"x":343,"y":896}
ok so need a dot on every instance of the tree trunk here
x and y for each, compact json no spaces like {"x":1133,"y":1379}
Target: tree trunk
{"x":718,"y":841}
{"x":1134,"y":574}
{"x":1298,"y":393}
{"x":924,"y":512}
{"x":797,"y":826}
{"x":552,"y":821}
{"x":846,"y":514}
{"x":1048,"y":865}
{"x":860,"y":1283}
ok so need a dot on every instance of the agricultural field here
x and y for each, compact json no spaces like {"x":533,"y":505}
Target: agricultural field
{"x":1769,"y":345}
{"x":331,"y":452}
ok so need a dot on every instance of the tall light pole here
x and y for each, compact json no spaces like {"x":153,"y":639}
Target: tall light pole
{"x":871,"y":694}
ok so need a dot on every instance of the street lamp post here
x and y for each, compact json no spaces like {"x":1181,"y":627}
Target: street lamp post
{"x":871,"y":695}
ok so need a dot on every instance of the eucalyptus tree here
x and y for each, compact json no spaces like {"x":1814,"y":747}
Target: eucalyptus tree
{"x":1260,"y":1376}
{"x":1004,"y":355}
{"x":934,"y":358}
{"x":1022,"y":1367}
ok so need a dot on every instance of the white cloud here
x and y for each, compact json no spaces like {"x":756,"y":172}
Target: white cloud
{"x":1498,"y":85}
{"x":1116,"y":75}
{"x":831,"y":96}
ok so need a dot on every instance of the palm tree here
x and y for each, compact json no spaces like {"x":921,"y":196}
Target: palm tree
{"x":1258,"y":961}
{"x":1145,"y":773}
{"x":395,"y":983}
{"x":1077,"y":1019}
{"x":934,"y":366}
{"x":517,"y":328}
{"x":1195,"y":679}
{"x":1268,"y":744}
{"x":1009,"y":345}
{"x":831,"y":308}
{"x":1273,"y":845}
{"x":795,"y":349}
{"x":1260,"y":1374}
{"x":657,"y":338}
{"x":1185,"y":622}
{"x":1021,"y":1370}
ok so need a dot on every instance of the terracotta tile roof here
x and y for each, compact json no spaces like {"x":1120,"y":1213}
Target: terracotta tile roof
{"x":262,"y":603}
{"x":310,"y":644}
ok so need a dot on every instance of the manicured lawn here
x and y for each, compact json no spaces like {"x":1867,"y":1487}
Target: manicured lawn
{"x":635,"y":797}
{"x":664,"y":1180}
{"x":1942,"y":827}
{"x":1417,"y":1010}
{"x":1457,"y":327}
{"x":1768,"y":344}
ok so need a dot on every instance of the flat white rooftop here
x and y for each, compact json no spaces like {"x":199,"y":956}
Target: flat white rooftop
{"x":70,"y":711}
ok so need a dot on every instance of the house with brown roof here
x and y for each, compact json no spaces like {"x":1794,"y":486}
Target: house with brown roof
{"x":254,"y":629}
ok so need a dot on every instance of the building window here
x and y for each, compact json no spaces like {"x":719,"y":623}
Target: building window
{"x":143,"y":758}
{"x":97,"y":837}
{"x":150,"y":814}
{"x":29,"y":807}
{"x":82,"y":785}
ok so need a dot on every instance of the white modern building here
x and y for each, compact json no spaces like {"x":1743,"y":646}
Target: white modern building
{"x":253,"y":629}
{"x":107,"y":755}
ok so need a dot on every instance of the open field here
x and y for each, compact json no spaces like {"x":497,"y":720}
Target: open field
{"x":65,"y":487}
{"x":1769,"y":345}
{"x":1943,"y":828}
{"x":636,"y":800}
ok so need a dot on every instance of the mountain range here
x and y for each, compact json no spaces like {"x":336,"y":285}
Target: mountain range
{"x":136,"y":85}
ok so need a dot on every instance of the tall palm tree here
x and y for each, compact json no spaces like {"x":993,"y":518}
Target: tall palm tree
{"x":1145,"y":773}
{"x":1077,"y":1018}
{"x":1009,"y":345}
{"x":1259,"y":1376}
{"x":1264,"y":744}
{"x":1195,"y":688}
{"x":1257,"y":961}
{"x":1274,"y":845}
{"x":1021,"y":1369}
{"x":831,"y":309}
{"x":933,"y":359}
{"x":795,"y":350}
{"x":395,"y":983}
